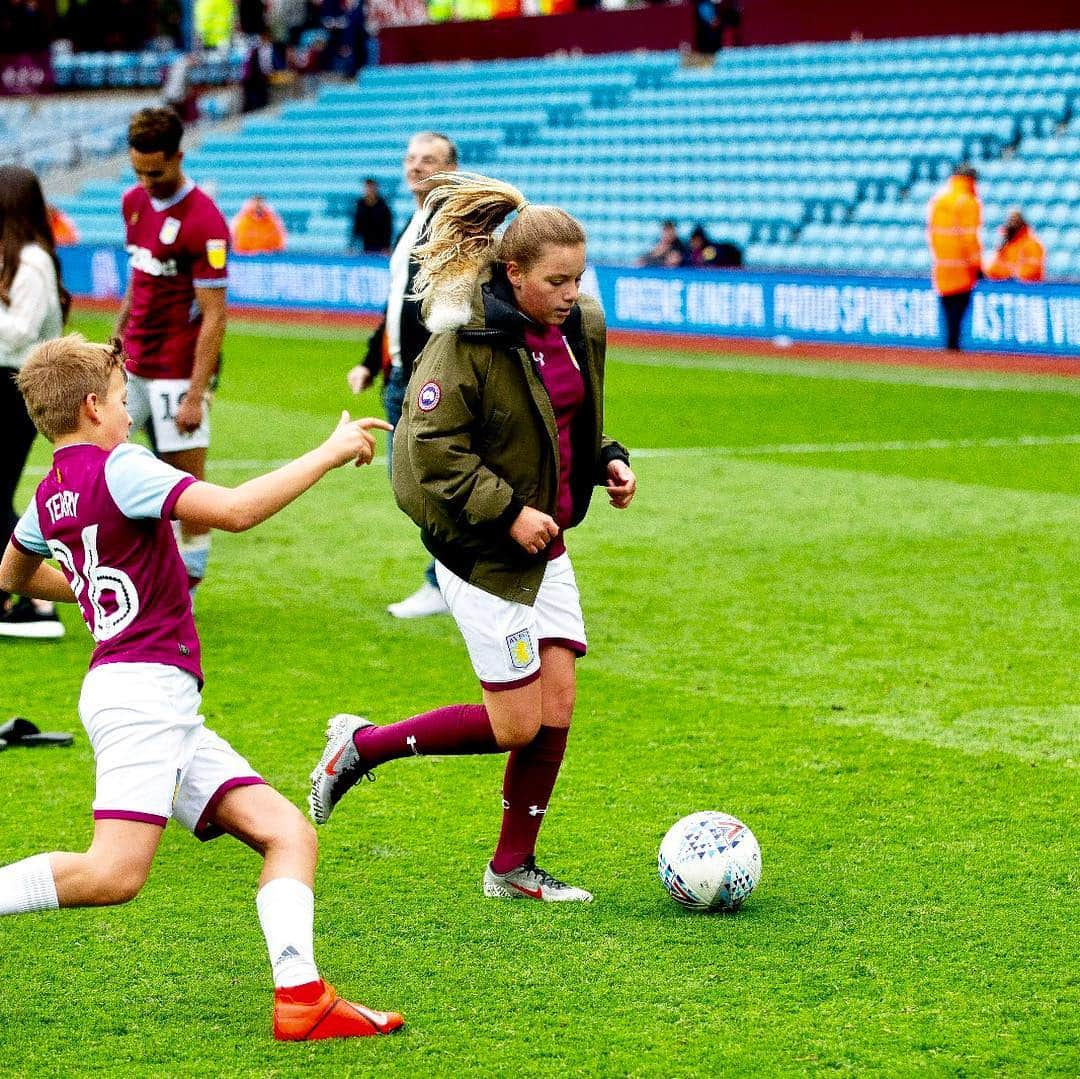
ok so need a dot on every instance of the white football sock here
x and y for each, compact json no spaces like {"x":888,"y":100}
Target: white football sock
{"x":287,"y":915}
{"x":27,"y":886}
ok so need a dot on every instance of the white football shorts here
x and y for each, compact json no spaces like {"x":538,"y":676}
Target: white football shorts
{"x":503,"y":638}
{"x":155,"y":758}
{"x":155,"y":401}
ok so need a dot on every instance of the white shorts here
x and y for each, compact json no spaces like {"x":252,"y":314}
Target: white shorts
{"x":503,"y":638}
{"x":155,"y":401}
{"x":155,"y":758}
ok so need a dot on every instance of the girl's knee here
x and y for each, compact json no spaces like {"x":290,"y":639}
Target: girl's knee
{"x":520,"y":731}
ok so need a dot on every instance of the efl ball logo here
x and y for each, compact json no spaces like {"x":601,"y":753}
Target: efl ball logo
{"x":429,"y":396}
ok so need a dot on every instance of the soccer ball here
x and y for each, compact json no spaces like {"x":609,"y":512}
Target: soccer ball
{"x":710,"y":861}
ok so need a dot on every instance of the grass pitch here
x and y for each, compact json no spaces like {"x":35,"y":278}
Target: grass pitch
{"x":843,"y":607}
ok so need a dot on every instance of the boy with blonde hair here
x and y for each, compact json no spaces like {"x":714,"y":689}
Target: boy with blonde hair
{"x":104,"y":512}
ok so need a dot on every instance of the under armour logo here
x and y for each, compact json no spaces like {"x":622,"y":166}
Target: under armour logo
{"x":538,"y":359}
{"x":411,"y":743}
{"x":536,"y":811}
{"x":506,"y":804}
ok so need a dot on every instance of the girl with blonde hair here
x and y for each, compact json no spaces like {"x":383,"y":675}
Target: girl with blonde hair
{"x":496,"y":456}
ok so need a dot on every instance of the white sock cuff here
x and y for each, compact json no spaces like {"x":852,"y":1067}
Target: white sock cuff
{"x":28,"y":886}
{"x":286,"y":909}
{"x":284,"y":890}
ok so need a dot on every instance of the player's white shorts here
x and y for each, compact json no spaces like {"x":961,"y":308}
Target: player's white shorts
{"x":157,"y":400}
{"x":155,"y":758}
{"x":503,"y":638}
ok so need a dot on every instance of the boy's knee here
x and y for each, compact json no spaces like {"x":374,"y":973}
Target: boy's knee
{"x":119,"y":883}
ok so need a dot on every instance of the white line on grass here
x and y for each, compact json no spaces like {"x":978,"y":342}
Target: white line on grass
{"x":234,"y":464}
{"x":901,"y":445}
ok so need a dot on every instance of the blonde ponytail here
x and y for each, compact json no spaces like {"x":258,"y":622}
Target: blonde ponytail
{"x":466,"y":209}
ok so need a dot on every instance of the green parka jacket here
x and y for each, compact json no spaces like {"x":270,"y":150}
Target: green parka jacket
{"x":477,"y":440}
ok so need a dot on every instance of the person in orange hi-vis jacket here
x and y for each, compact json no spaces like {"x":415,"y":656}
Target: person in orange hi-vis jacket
{"x":953,"y":219}
{"x":256,"y":229}
{"x":65,"y":234}
{"x":1021,"y":256}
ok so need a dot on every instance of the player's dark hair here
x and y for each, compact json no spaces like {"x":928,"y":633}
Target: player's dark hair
{"x":24,"y":220}
{"x":156,"y":130}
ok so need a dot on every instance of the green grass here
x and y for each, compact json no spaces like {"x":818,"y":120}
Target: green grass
{"x":869,"y":656}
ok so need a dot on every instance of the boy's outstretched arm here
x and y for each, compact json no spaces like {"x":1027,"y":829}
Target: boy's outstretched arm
{"x":29,"y":575}
{"x":236,"y":509}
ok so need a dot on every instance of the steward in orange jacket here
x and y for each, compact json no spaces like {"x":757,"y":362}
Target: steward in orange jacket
{"x":65,"y":234}
{"x":256,"y":229}
{"x":954,"y":219}
{"x":1021,"y":256}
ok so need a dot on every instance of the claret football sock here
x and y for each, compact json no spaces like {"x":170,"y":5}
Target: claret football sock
{"x":28,"y":886}
{"x":287,"y":915}
{"x":456,"y":730}
{"x":527,"y":785}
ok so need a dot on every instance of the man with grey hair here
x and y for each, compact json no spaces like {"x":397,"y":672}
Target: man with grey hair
{"x":401,"y":336}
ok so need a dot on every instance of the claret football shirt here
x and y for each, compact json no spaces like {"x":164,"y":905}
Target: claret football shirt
{"x":174,"y":245}
{"x":106,"y":518}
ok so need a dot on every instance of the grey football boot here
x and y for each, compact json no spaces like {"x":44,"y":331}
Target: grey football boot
{"x":529,"y":881}
{"x":340,"y":766}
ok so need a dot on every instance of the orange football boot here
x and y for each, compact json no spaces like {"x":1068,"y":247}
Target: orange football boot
{"x":306,"y":1013}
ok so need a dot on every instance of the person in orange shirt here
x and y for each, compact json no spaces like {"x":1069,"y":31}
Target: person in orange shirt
{"x":256,"y":229}
{"x":954,"y":217}
{"x":1021,"y":256}
{"x":65,"y":234}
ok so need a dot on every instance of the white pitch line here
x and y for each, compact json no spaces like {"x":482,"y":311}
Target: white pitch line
{"x":228,"y":464}
{"x":900,"y":445}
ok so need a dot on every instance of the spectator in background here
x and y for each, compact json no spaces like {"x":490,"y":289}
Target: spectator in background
{"x":708,"y":254}
{"x":717,"y":20}
{"x":256,"y":229}
{"x":214,"y":20}
{"x":255,"y":78}
{"x":402,"y":335}
{"x":65,"y":234}
{"x":178,"y":91}
{"x":669,"y":250}
{"x":252,"y":17}
{"x":955,"y":215}
{"x":1021,"y":256}
{"x":372,"y":221}
{"x":33,"y":305}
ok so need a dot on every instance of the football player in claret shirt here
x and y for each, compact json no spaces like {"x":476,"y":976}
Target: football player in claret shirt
{"x":103,"y":512}
{"x":172,"y":319}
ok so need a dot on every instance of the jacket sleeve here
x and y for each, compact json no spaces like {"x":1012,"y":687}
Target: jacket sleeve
{"x":22,"y":319}
{"x":373,"y":356}
{"x":443,"y":407}
{"x":595,"y":326}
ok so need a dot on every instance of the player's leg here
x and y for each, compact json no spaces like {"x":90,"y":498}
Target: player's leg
{"x":532,"y":770}
{"x":143,"y":723}
{"x":305,"y":1007}
{"x":113,"y":870}
{"x":503,"y":650}
{"x":192,"y":540}
{"x":23,"y":617}
{"x":185,"y":451}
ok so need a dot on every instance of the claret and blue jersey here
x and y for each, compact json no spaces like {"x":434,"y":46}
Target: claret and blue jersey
{"x":105,"y":517}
